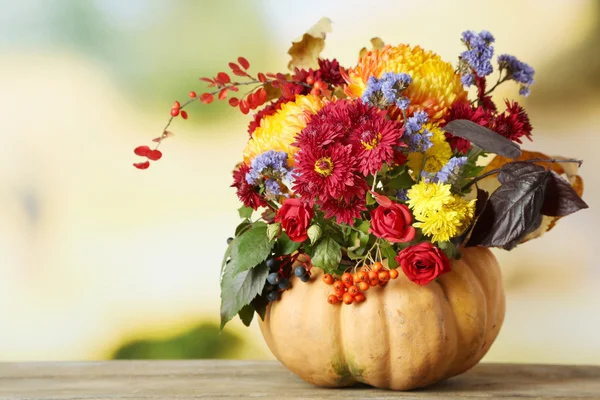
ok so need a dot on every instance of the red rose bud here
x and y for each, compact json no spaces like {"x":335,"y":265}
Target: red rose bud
{"x":295,"y":217}
{"x":423,"y":262}
{"x":392,"y":222}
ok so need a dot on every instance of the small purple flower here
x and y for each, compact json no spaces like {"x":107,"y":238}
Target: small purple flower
{"x":517,"y":71}
{"x":451,"y":170}
{"x":387,"y":90}
{"x":402,"y":195}
{"x":273,"y":186}
{"x":272,"y":164}
{"x":478,"y":56}
{"x":415,"y":139}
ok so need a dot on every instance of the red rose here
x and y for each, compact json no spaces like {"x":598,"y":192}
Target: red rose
{"x":391,"y":221}
{"x":295,"y":217}
{"x":423,"y":262}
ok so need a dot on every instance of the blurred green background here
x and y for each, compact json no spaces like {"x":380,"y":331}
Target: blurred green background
{"x":99,"y":260}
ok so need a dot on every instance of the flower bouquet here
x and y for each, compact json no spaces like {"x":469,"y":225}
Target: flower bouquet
{"x":371,"y":195}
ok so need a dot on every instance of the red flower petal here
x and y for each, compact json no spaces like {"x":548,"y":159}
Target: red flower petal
{"x":223,"y":94}
{"x":141,"y":150}
{"x":154,"y":155}
{"x":142,"y":165}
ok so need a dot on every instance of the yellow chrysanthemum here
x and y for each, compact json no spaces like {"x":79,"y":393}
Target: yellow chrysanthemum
{"x":435,"y":85}
{"x":278,"y":131}
{"x":436,"y":156}
{"x":424,"y":197}
{"x":448,"y":221}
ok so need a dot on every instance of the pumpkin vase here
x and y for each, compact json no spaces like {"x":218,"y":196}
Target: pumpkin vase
{"x":405,"y":336}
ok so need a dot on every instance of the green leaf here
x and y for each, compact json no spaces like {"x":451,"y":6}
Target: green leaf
{"x":387,"y":250}
{"x":401,"y":181}
{"x":364,"y":227}
{"x":246,"y":314}
{"x":370,"y":199}
{"x":450,"y":249}
{"x":239,"y":290}
{"x":245,"y":212}
{"x":260,"y":305}
{"x":252,"y":248}
{"x":242,"y":227}
{"x":327,"y":255}
{"x":285,"y":245}
{"x":227,"y":254}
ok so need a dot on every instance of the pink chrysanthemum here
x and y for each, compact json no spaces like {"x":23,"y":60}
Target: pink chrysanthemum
{"x":324,"y":172}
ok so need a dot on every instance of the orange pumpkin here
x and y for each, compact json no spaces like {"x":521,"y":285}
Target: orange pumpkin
{"x":403,"y":336}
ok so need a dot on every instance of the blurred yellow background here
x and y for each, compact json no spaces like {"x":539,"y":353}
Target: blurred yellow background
{"x":95,"y":254}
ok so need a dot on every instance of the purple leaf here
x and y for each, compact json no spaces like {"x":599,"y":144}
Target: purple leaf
{"x":484,"y":138}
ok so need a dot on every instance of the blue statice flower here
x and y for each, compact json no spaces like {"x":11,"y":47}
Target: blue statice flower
{"x":477,"y":59}
{"x":272,"y":167}
{"x":450,"y":171}
{"x":517,"y":71}
{"x":387,"y":90}
{"x":402,"y":194}
{"x":415,"y":139}
{"x":273,"y":186}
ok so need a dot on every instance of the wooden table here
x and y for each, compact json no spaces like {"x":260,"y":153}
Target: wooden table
{"x":270,"y":380}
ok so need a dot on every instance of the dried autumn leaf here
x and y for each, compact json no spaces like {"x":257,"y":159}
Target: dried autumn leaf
{"x":305,"y":52}
{"x":376,"y":43}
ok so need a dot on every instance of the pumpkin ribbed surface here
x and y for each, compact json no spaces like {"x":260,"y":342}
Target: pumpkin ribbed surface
{"x":403,"y":336}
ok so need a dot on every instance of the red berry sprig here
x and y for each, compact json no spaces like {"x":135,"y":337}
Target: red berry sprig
{"x":254,"y":98}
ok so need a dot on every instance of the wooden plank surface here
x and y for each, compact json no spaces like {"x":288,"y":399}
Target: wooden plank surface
{"x":270,"y":380}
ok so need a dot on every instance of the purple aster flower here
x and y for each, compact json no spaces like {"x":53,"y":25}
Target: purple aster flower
{"x":517,"y":71}
{"x":478,"y":56}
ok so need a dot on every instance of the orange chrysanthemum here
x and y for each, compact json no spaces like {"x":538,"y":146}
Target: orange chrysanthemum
{"x":435,"y":85}
{"x":278,"y":131}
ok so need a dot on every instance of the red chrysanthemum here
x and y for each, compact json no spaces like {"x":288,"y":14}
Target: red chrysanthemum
{"x":374,"y":144}
{"x":513,"y":124}
{"x":248,"y":194}
{"x":324,"y":172}
{"x":330,"y":72}
{"x":345,"y":210}
{"x":461,"y":110}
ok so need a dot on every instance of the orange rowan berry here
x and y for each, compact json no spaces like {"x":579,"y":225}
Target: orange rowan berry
{"x":384,"y":276}
{"x":355,"y":278}
{"x":359,"y":298}
{"x":393,"y":273}
{"x":363,"y":286}
{"x":333,"y":299}
{"x":348,"y":298}
{"x":328,"y":279}
{"x":373,"y":275}
{"x":374,"y":282}
{"x":347,"y":278}
{"x":353,"y":290}
{"x":365,"y":268}
{"x":377,"y":266}
{"x":382,"y":283}
{"x":363,"y":276}
{"x":338,"y":286}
